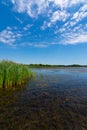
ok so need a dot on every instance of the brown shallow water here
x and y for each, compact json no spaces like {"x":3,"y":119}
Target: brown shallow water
{"x":56,"y":100}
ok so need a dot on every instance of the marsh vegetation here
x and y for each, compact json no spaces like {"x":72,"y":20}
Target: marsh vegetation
{"x":13,"y":74}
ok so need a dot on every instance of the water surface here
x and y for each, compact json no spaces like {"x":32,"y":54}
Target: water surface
{"x":56,"y":100}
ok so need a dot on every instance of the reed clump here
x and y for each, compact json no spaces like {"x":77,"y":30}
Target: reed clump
{"x":13,"y":74}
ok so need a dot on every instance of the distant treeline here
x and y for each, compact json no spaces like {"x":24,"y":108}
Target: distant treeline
{"x":47,"y":65}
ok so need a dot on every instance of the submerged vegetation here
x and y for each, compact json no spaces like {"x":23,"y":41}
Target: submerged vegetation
{"x":13,"y":74}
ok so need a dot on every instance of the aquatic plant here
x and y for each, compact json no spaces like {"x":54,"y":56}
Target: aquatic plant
{"x":13,"y":74}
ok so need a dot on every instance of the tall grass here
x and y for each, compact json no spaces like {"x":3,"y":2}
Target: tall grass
{"x":13,"y":74}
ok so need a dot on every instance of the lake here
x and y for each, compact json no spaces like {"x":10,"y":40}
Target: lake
{"x":55,"y":100}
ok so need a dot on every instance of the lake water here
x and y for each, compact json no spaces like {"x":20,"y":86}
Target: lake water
{"x":55,"y":100}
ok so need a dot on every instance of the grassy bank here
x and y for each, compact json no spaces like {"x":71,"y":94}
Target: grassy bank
{"x":13,"y":74}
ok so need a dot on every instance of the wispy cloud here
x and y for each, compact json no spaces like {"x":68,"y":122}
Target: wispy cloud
{"x":32,"y":8}
{"x":75,"y":35}
{"x":54,"y":10}
{"x":36,"y":45}
{"x":79,"y":15}
{"x":36,"y":7}
{"x":57,"y":16}
{"x":5,"y":3}
{"x":27,"y":27}
{"x":8,"y":36}
{"x":19,"y":20}
{"x":73,"y":38}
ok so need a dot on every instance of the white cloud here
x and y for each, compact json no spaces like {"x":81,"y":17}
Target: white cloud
{"x":45,"y":25}
{"x":77,"y":39}
{"x":32,"y":8}
{"x":19,"y":20}
{"x":63,"y":4}
{"x":40,"y":45}
{"x":36,"y":7}
{"x":27,"y":27}
{"x":80,"y":14}
{"x":74,"y":20}
{"x":74,"y":37}
{"x":8,"y":37}
{"x":84,"y":8}
{"x":59,"y":16}
{"x":56,"y":16}
{"x":54,"y":11}
{"x":36,"y":45}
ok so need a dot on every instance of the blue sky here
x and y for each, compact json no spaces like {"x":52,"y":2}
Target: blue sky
{"x":43,"y":31}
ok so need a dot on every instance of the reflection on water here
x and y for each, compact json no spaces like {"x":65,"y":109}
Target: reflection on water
{"x":56,"y":100}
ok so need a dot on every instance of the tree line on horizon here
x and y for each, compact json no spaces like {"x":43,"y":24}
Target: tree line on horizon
{"x":47,"y":65}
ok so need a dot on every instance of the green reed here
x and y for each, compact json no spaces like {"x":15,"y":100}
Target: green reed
{"x":13,"y":74}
